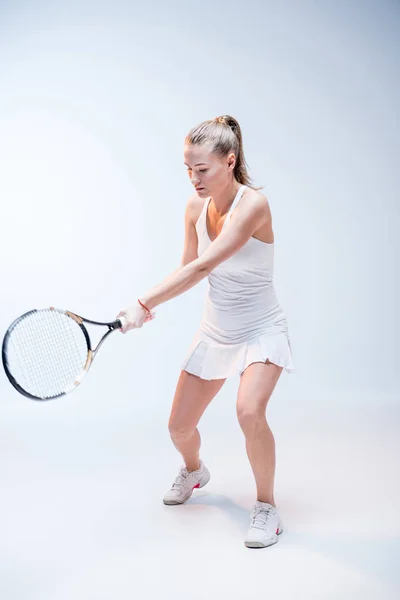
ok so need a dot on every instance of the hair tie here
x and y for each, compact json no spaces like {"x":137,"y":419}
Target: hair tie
{"x":141,"y":303}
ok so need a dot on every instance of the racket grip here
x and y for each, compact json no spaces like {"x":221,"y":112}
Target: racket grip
{"x":122,"y":320}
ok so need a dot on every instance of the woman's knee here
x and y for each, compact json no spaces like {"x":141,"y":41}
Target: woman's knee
{"x":192,"y":396}
{"x":179,"y":430}
{"x":250,"y":418}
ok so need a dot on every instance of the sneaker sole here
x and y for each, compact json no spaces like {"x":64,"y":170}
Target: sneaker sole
{"x":261,"y":545}
{"x":201,"y":484}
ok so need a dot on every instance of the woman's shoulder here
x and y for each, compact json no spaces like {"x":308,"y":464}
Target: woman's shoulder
{"x":255,"y":194}
{"x":256,"y":198}
{"x":194,"y":206}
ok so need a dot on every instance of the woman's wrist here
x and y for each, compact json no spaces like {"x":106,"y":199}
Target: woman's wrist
{"x":144,"y":305}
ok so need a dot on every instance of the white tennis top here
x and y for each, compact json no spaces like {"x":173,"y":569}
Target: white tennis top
{"x":242,"y":321}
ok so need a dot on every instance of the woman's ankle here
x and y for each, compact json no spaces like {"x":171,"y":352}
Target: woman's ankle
{"x":192,"y":466}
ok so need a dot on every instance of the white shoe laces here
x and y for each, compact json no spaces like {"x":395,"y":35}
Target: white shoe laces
{"x":183,"y":475}
{"x":260,"y":516}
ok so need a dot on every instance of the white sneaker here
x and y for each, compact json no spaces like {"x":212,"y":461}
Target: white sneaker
{"x":265,"y":526}
{"x":185,"y":483}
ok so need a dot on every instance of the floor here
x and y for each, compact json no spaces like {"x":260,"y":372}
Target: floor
{"x":83,"y":518}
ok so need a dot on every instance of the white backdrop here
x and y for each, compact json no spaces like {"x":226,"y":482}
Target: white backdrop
{"x":95,"y":101}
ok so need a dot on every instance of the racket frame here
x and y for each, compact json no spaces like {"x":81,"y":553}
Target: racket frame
{"x":91,"y":352}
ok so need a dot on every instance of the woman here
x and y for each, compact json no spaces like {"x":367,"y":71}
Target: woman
{"x":229,"y":239}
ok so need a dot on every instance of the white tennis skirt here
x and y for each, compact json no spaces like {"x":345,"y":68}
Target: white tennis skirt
{"x":210,"y":359}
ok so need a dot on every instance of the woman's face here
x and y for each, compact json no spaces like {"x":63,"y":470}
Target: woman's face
{"x":209,"y":173}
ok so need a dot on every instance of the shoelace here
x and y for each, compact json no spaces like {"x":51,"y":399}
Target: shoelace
{"x":260,"y":516}
{"x":180,"y":478}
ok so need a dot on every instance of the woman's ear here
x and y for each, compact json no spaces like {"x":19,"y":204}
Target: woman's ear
{"x":231,"y":161}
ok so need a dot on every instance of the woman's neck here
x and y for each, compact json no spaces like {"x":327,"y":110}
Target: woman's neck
{"x":223,"y":201}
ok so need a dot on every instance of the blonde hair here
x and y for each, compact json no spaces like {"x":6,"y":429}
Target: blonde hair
{"x":225,"y":136}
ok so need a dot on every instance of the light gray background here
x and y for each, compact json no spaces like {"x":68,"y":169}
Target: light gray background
{"x":95,"y":101}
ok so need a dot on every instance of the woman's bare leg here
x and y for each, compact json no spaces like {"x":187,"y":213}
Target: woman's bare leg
{"x":257,"y":383}
{"x":192,"y":396}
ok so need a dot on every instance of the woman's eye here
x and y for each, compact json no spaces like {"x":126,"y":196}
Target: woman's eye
{"x":202,"y":170}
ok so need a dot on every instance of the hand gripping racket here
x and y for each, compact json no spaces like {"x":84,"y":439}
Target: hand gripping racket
{"x":47,"y":352}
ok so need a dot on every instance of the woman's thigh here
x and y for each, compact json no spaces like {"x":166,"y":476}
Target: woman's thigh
{"x":257,"y":383}
{"x":191,"y":398}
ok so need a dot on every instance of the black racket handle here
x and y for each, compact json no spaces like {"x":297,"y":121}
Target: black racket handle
{"x":119,"y":323}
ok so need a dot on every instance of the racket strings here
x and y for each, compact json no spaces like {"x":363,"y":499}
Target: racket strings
{"x":32,"y":350}
{"x":46,"y":353}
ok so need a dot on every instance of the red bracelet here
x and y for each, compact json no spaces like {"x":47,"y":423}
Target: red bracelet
{"x":148,"y":310}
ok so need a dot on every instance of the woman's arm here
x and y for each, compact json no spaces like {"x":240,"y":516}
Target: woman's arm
{"x":240,"y":230}
{"x":190,"y":242}
{"x":175,"y":284}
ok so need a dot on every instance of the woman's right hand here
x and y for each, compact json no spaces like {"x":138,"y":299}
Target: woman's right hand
{"x":133,"y":317}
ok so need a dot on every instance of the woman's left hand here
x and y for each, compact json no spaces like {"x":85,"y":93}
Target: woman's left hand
{"x":134,"y":317}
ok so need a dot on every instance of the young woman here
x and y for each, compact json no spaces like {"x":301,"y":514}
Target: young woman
{"x":229,"y":239}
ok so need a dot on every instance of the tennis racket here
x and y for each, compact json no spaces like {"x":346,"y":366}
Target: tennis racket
{"x":47,"y":352}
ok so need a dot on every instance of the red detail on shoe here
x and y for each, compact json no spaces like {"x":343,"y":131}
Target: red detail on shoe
{"x":196,"y":486}
{"x":277,"y":530}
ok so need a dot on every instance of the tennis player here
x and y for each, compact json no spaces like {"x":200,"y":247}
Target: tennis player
{"x":229,"y":239}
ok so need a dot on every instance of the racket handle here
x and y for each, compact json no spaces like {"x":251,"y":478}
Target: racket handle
{"x":122,"y":320}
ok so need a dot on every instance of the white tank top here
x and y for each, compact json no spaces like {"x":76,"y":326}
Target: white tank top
{"x":241,"y":302}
